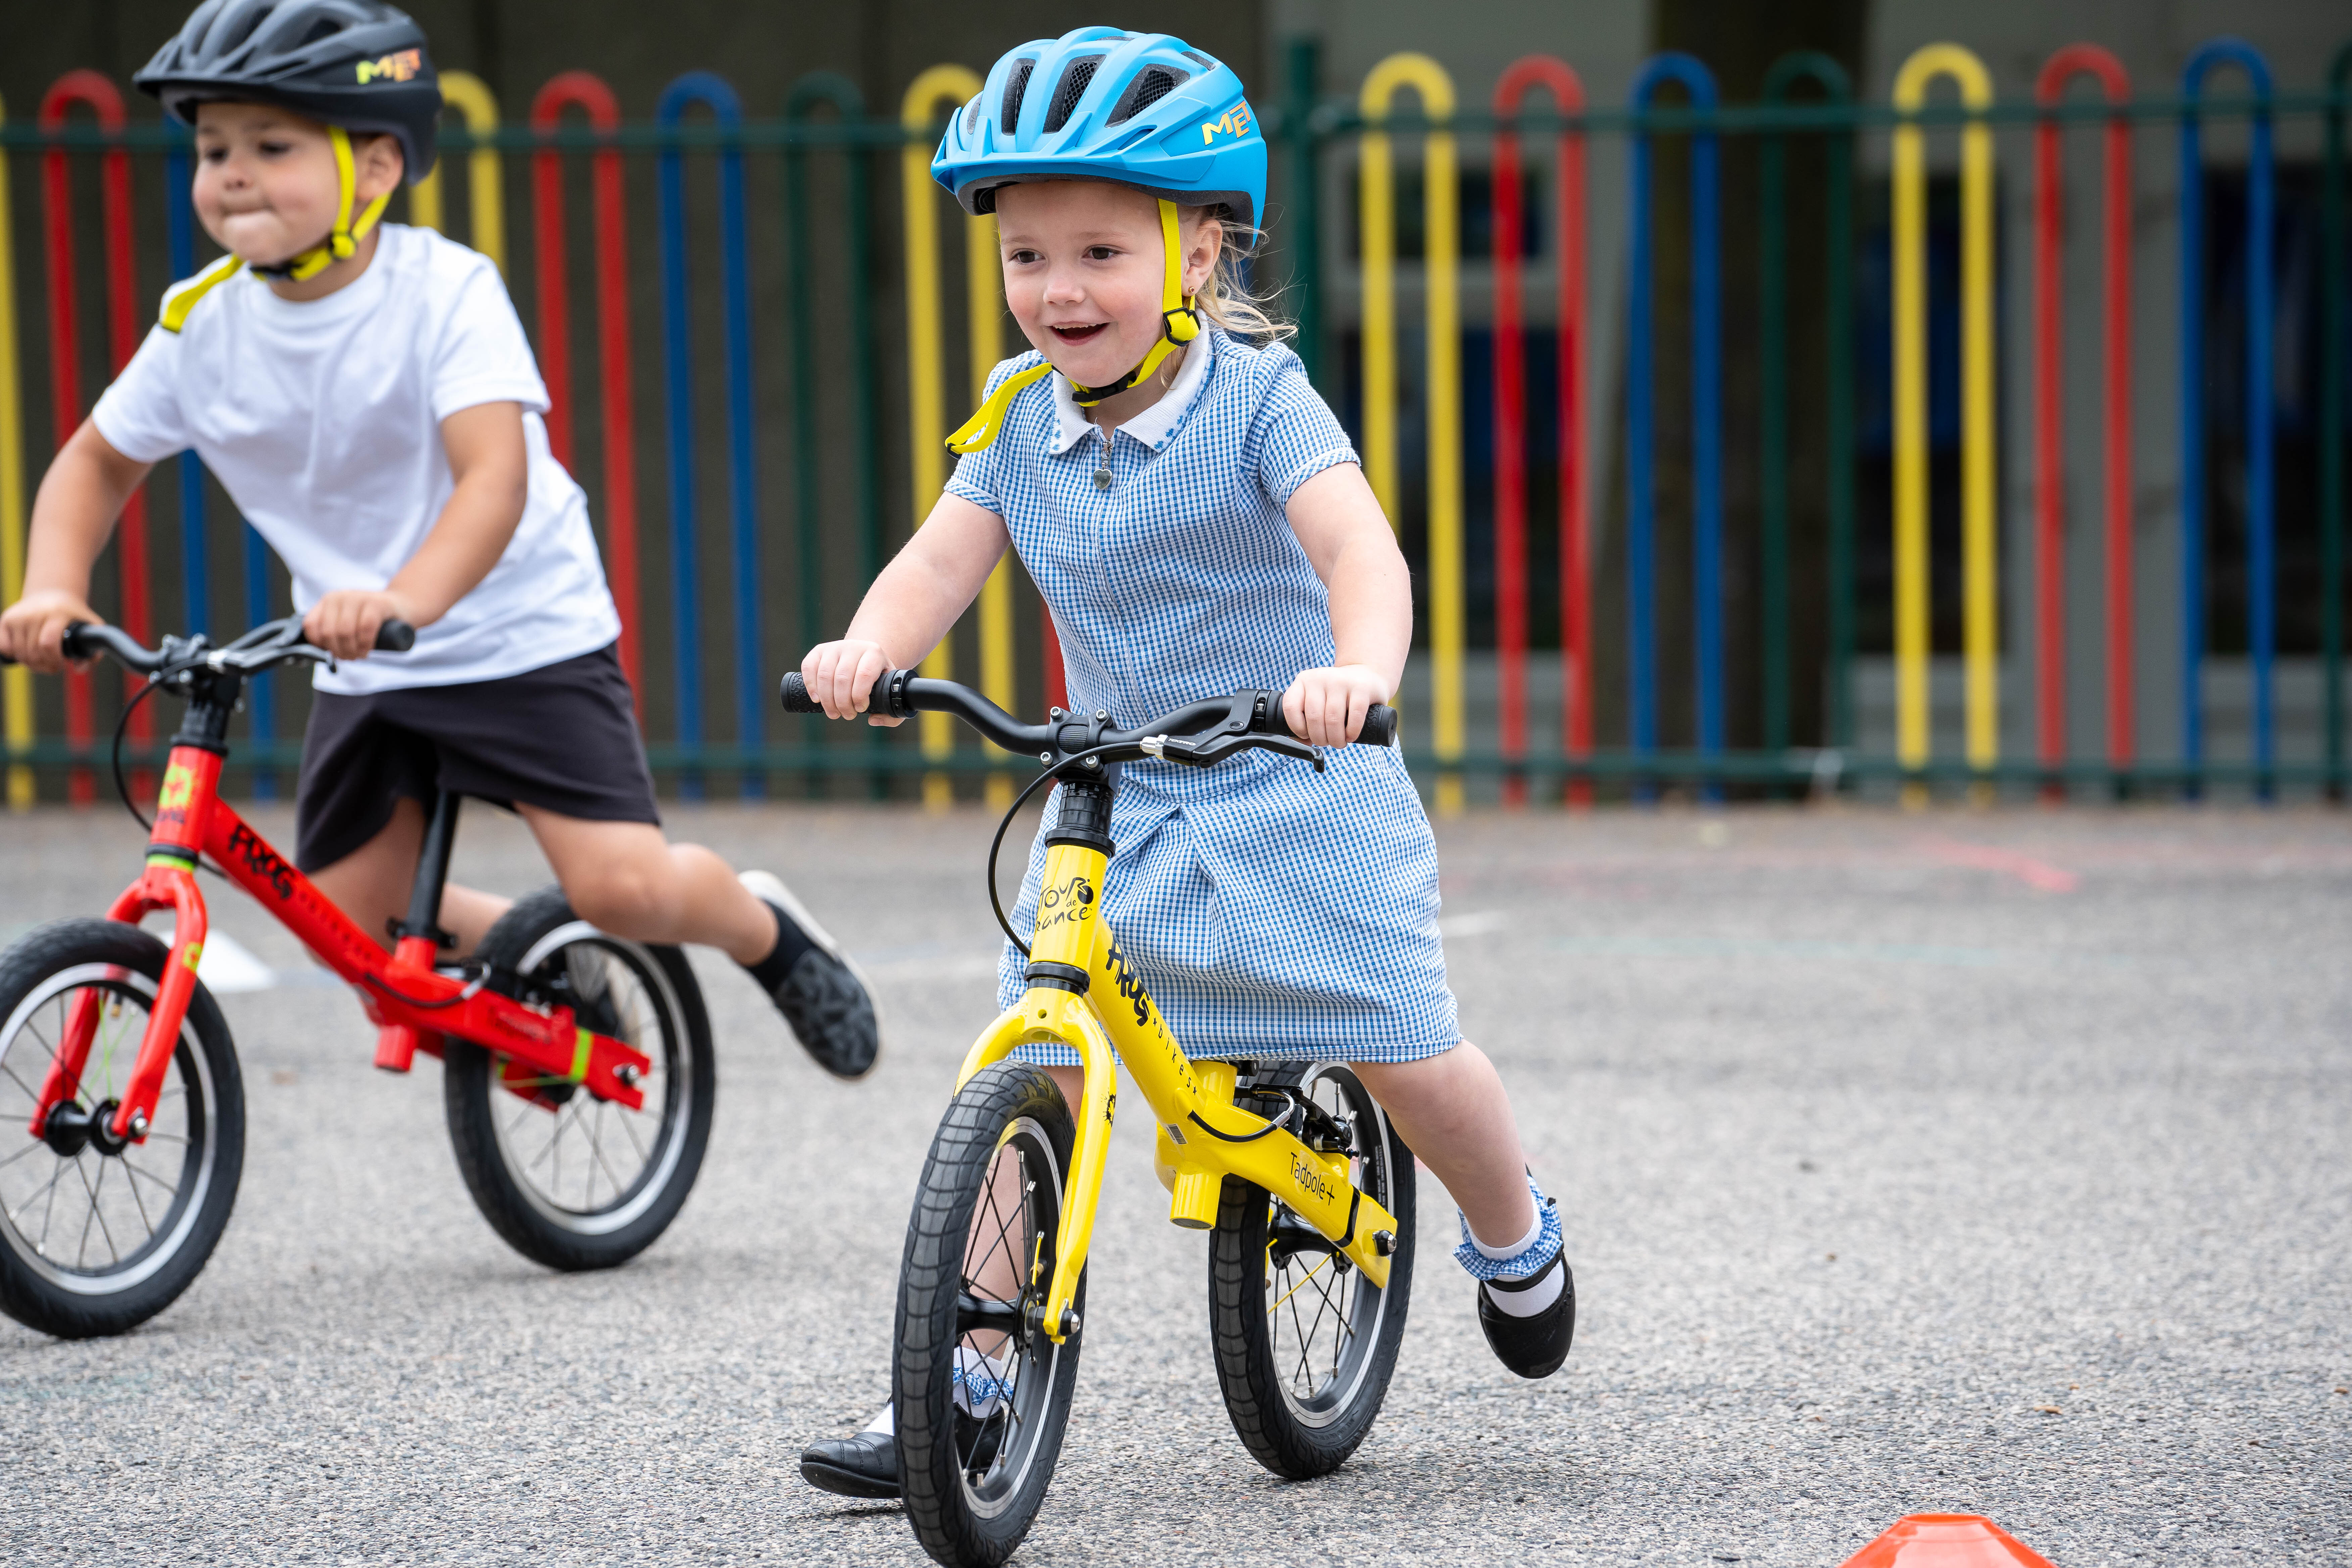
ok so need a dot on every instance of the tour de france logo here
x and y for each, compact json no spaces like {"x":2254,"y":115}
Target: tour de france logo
{"x":1070,"y":900}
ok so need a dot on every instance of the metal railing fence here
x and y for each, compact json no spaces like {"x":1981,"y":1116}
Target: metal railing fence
{"x":805,"y":350}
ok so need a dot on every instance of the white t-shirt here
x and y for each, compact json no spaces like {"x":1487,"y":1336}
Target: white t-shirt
{"x":323,"y":421}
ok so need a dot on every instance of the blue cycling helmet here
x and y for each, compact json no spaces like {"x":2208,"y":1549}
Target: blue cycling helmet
{"x":1142,"y":109}
{"x":1136,"y":109}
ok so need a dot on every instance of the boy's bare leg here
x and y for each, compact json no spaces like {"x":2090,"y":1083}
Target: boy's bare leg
{"x":627,"y":878}
{"x":371,"y":884}
{"x":623,"y":877}
{"x":1454,"y":1113}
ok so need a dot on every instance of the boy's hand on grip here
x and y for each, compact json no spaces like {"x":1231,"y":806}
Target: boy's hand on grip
{"x":33,"y":630}
{"x":841,"y":675}
{"x":1327,"y":707}
{"x":345,"y":622}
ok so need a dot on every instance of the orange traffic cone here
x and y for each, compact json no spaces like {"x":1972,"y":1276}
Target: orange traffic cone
{"x":1946,"y":1540}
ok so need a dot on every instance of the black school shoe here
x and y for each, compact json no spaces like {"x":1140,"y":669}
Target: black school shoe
{"x":823,"y":996}
{"x":864,"y":1466}
{"x":1532,"y":1347}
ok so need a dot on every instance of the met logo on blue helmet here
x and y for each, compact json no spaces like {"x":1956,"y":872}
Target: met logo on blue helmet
{"x":1137,"y":108}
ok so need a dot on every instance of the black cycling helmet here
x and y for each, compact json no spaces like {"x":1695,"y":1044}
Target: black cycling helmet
{"x":357,"y":64}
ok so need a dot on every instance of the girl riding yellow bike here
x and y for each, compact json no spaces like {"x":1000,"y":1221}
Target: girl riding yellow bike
{"x":1197,"y":523}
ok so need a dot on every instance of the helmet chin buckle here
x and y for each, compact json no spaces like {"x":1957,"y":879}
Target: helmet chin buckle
{"x":342,"y":241}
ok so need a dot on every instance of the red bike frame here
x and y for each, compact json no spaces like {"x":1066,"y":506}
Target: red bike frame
{"x":413,"y":1007}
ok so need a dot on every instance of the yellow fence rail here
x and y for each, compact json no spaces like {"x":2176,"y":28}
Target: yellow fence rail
{"x":1979,"y":586}
{"x":486,"y":189}
{"x":1442,"y":308}
{"x":16,"y":681}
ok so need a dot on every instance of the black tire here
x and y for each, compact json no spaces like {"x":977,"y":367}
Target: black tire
{"x":1302,"y":1383}
{"x":975,"y":1469}
{"x":633,"y":1169}
{"x":171,"y":1193}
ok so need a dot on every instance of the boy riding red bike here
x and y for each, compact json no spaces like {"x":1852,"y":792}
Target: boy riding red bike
{"x":365,"y":394}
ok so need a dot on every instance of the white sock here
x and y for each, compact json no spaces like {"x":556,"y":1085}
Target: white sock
{"x":1504,"y":1254}
{"x":1538,"y":1297}
{"x":882,"y":1423}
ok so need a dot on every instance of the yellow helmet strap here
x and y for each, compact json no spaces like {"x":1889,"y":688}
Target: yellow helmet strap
{"x":1179,"y":324}
{"x":342,"y":240}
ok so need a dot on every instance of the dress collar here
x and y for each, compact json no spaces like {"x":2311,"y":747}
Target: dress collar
{"x":1155,"y":423}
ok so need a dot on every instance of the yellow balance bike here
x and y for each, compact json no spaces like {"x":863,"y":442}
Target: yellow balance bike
{"x":1290,"y":1165}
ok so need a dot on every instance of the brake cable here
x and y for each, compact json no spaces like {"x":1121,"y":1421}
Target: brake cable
{"x":121,"y":725}
{"x":998,"y":842}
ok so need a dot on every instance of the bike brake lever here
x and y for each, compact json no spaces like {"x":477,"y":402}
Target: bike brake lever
{"x":1208,"y":751}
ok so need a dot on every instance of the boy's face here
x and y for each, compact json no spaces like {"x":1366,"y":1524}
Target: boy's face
{"x":1083,"y":263}
{"x":266,"y":186}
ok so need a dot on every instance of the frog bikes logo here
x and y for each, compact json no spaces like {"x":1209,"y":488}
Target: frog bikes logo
{"x":1235,"y":121}
{"x":392,"y":67}
{"x":1131,"y":986}
{"x":262,"y":862}
{"x":1073,"y":901}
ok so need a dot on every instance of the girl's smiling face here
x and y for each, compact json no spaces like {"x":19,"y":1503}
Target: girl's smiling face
{"x":1083,"y":266}
{"x":266,"y":184}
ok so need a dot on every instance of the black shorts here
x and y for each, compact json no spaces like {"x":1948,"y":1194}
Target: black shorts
{"x":563,"y":739}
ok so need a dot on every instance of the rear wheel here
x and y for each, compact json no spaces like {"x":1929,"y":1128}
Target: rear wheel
{"x":1305,"y":1343}
{"x":97,"y":1236}
{"x":570,"y":1180}
{"x":981,"y":1394}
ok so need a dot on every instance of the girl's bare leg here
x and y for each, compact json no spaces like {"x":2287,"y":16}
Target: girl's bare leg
{"x":1454,"y":1113}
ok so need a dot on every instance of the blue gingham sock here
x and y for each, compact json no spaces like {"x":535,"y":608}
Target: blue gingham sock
{"x":1529,"y":1255}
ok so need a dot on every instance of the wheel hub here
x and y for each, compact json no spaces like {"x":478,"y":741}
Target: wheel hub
{"x":69,"y":1128}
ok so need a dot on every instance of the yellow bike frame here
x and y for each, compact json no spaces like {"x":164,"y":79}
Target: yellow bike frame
{"x":1203,"y":1136}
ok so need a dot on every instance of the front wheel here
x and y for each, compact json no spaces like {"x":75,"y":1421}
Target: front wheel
{"x":981,"y":1394}
{"x":1305,"y":1343}
{"x":98,"y":1237}
{"x":569,"y":1180}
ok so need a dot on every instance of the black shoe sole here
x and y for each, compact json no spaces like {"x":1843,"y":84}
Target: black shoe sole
{"x":847,"y":1483}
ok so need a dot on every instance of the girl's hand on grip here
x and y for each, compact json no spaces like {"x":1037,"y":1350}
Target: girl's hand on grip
{"x":841,"y":677}
{"x":1327,"y":707}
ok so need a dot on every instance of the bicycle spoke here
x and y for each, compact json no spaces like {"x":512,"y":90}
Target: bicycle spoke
{"x":596,"y":1146}
{"x":143,"y":1171}
{"x":30,"y":1145}
{"x":166,"y":1137}
{"x":628,"y":1126}
{"x":137,"y":1202}
{"x":30,"y":1092}
{"x":59,"y":1171}
{"x":81,"y":1252}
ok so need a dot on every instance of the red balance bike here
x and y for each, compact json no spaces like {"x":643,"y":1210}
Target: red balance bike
{"x":577,"y":1067}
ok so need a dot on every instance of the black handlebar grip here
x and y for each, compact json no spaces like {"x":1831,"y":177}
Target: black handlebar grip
{"x":394,"y":637}
{"x":1380,"y":726}
{"x":795,"y":695}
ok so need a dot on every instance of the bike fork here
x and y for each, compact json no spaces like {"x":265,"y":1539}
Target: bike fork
{"x":169,"y":882}
{"x":421,"y":938}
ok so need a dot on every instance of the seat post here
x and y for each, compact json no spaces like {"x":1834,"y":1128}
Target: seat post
{"x":419,"y":940}
{"x":433,"y":872}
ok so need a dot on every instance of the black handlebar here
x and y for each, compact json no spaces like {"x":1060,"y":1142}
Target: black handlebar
{"x":901,"y":693}
{"x":265,"y":644}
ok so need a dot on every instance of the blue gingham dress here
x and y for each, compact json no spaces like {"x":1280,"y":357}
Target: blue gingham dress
{"x":1271,"y":911}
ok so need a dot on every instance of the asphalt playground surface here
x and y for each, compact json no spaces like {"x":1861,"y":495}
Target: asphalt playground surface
{"x":1983,"y":1162}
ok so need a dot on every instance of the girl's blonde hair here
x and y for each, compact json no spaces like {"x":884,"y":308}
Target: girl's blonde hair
{"x":1226,"y":298}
